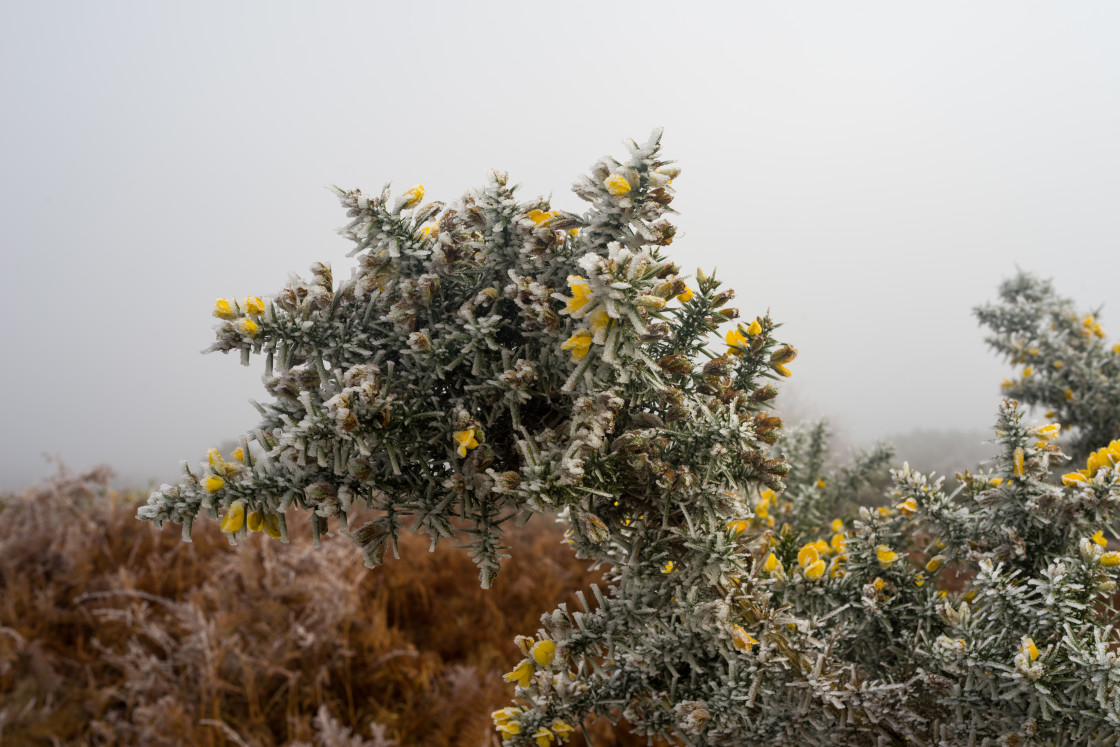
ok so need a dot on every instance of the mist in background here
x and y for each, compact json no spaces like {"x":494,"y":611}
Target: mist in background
{"x":868,"y":172}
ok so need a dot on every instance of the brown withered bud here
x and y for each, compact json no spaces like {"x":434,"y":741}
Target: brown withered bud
{"x":428,"y":288}
{"x":481,"y":458}
{"x":648,"y":420}
{"x":764,"y":394}
{"x":349,"y":422}
{"x":655,"y":331}
{"x":551,"y":320}
{"x":679,"y":287}
{"x":319,"y":492}
{"x":770,"y":437}
{"x":660,"y":196}
{"x":784,"y":354}
{"x":359,"y":468}
{"x":764,"y":423}
{"x":667,"y":270}
{"x":667,"y":232}
{"x":373,"y":539}
{"x":507,"y":482}
{"x":593,"y":528}
{"x":722,"y":298}
{"x":427,"y":212}
{"x":774,"y":482}
{"x":385,"y":415}
{"x":777,"y":466}
{"x":322,"y":275}
{"x":676,"y":365}
{"x":719,"y":366}
{"x":704,"y":388}
{"x":729,"y":313}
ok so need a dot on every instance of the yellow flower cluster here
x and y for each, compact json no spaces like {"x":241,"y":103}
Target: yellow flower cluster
{"x":737,"y":338}
{"x":253,"y":306}
{"x":508,"y":724}
{"x":1091,"y":327}
{"x":537,"y":654}
{"x":1103,"y":458}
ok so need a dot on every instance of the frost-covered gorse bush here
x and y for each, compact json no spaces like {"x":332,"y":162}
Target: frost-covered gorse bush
{"x":1069,"y":366}
{"x":493,"y":359}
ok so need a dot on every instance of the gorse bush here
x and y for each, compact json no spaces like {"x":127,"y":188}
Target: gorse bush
{"x":1069,"y":368}
{"x":494,"y":359}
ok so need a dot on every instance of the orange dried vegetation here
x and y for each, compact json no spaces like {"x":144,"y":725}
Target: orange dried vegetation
{"x":113,"y":633}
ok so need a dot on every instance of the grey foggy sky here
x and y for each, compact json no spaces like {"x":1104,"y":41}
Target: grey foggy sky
{"x":868,"y":171}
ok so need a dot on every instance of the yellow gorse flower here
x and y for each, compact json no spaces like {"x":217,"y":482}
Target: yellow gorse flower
{"x":540,"y":216}
{"x":269,"y":523}
{"x":1099,"y":538}
{"x":736,"y":341}
{"x":543,"y":737}
{"x":741,"y":639}
{"x":581,"y":294}
{"x":254,"y":306}
{"x":1017,"y":461}
{"x":771,"y":563}
{"x":1048,"y":432}
{"x":617,"y":185}
{"x":522,"y":674}
{"x":464,"y":441}
{"x":509,"y":729}
{"x":412,"y":197}
{"x":1074,"y":478}
{"x":600,"y":320}
{"x":543,"y":652}
{"x":505,"y":715}
{"x":686,"y":296}
{"x":1027,"y":647}
{"x":562,"y":729}
{"x":579,"y":343}
{"x":235,"y":518}
{"x":808,"y":555}
{"x":815,"y":570}
{"x":907,"y":507}
{"x":212,"y":484}
{"x":885,"y":555}
{"x":247,"y":326}
{"x":754,"y":329}
{"x":223,"y":309}
{"x":1110,"y":559}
